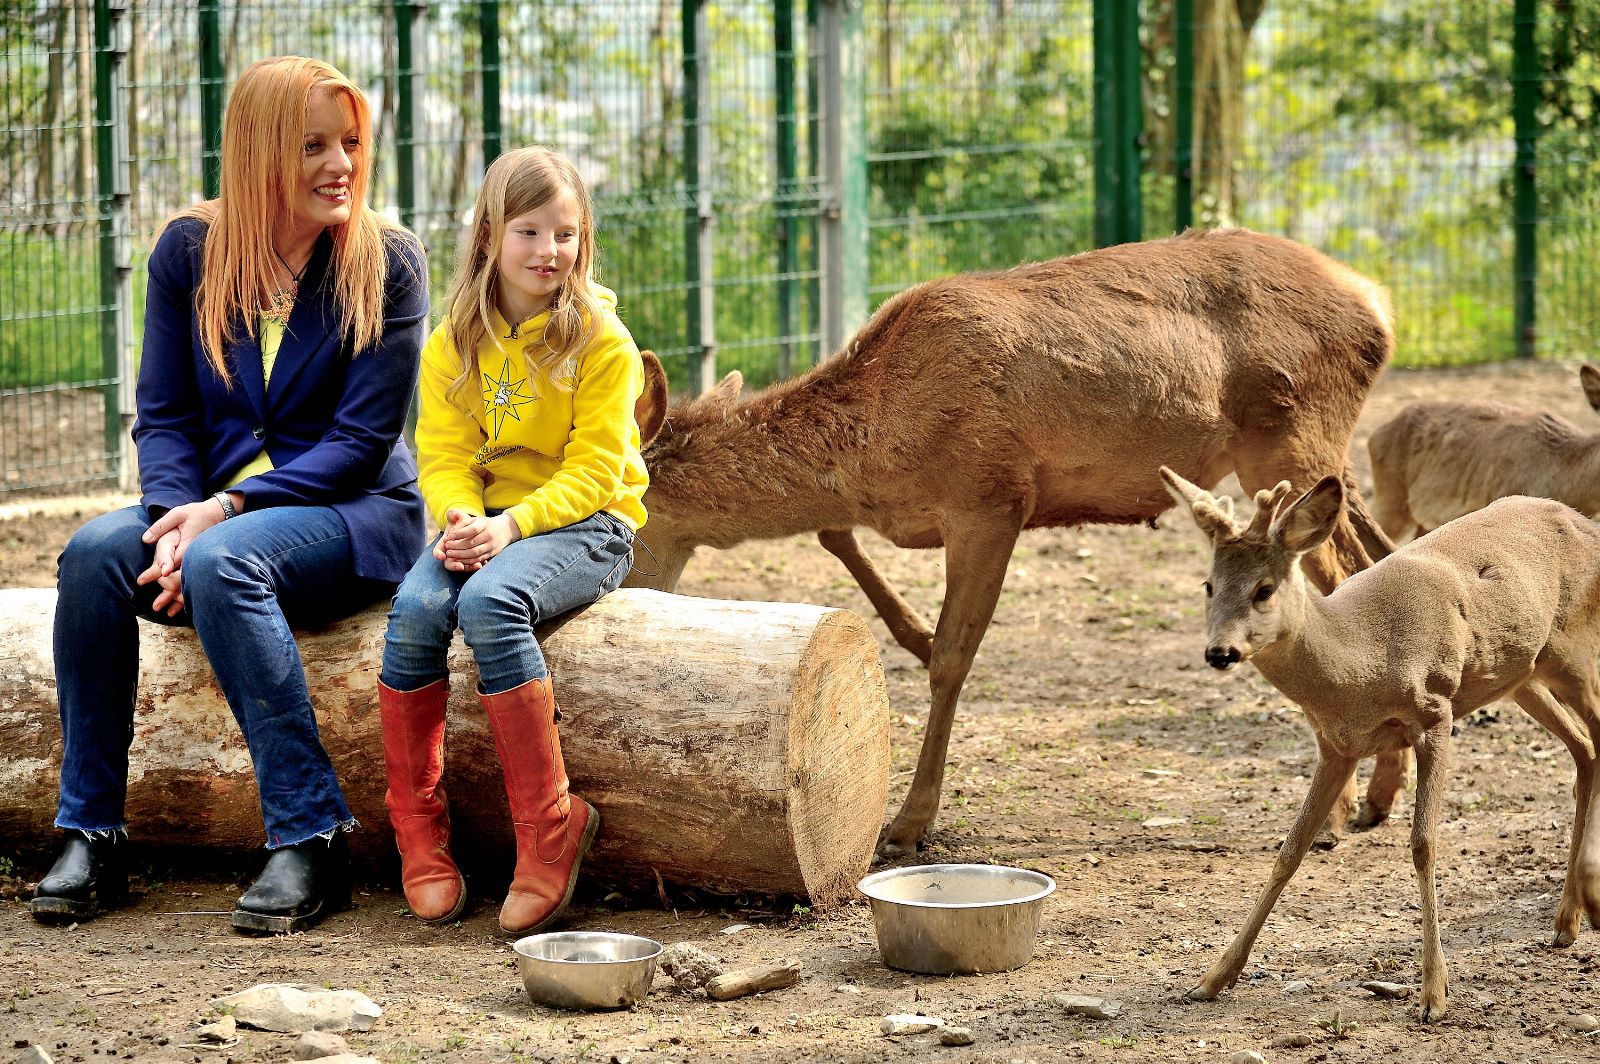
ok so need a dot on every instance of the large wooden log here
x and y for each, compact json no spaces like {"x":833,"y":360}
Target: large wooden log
{"x":739,"y":746}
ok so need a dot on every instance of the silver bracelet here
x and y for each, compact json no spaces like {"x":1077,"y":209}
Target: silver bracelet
{"x":222,"y":500}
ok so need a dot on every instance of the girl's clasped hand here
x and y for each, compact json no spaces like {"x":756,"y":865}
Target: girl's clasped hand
{"x":469,"y":542}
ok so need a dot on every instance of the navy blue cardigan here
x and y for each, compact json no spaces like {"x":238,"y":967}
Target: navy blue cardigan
{"x":330,"y":422}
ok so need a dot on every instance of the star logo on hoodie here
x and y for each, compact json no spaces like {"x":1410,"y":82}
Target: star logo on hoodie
{"x":503,"y":398}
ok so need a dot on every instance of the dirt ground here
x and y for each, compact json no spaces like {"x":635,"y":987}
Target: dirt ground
{"x":1090,"y":676}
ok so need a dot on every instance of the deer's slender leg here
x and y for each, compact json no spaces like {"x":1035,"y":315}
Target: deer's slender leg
{"x":1389,"y":771}
{"x":1537,"y":701}
{"x":976,"y":555}
{"x":907,"y":626}
{"x":1433,"y":765}
{"x":1578,"y":689}
{"x":1326,"y":782}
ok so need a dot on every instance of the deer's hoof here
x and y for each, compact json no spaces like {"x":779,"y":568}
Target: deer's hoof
{"x":1200,"y":993}
{"x":1368,"y":817}
{"x":1432,"y":1012}
{"x":893,"y":849}
{"x":1326,"y":840}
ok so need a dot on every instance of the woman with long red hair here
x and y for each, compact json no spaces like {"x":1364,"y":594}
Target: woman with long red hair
{"x":281,"y":339}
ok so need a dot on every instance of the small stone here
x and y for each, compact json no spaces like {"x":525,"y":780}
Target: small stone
{"x":348,"y":1058}
{"x":1092,"y":1007}
{"x":848,"y":988}
{"x":903,"y":1023}
{"x":689,"y":966}
{"x":1164,"y":822}
{"x":314,"y":1045}
{"x":955,"y":1036}
{"x":1392,"y":991}
{"x":290,"y":1008}
{"x":225,"y":1029}
{"x":1293,"y":1041}
{"x":1159,"y":773}
{"x":1299,"y":986}
{"x":1585,"y":1024}
{"x":1247,"y":1056}
{"x":35,"y":1055}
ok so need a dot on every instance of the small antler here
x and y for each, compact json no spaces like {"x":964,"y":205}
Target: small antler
{"x":1267,"y":502}
{"x":1214,"y":515}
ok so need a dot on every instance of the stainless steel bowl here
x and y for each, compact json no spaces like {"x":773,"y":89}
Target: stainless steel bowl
{"x":587,"y":969}
{"x":956,"y":919}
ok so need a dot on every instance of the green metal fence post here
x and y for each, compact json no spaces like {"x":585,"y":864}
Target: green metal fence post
{"x":116,"y":312}
{"x":1524,"y":108}
{"x":842,"y":233}
{"x":1183,"y":116}
{"x":406,"y":23}
{"x":698,"y":214}
{"x":489,"y":31}
{"x":1118,"y":118}
{"x":783,"y":98}
{"x":211,"y":79}
{"x":813,"y":157}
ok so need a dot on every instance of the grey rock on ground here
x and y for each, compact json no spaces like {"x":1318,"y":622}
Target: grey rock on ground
{"x":223,"y":1029}
{"x":1093,"y":1007}
{"x":1247,"y":1056}
{"x":955,"y":1036}
{"x":35,"y":1055}
{"x":689,"y":966}
{"x":1392,"y":991}
{"x":290,"y":1008}
{"x":314,"y":1045}
{"x":903,"y":1023}
{"x":1296,"y":987}
{"x":1585,"y":1024}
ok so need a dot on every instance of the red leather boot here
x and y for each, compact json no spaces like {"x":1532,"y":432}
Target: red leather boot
{"x":413,"y":752}
{"x":554,"y":829}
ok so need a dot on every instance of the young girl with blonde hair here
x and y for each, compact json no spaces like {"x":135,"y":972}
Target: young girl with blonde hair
{"x":531,"y":467}
{"x":281,"y":338}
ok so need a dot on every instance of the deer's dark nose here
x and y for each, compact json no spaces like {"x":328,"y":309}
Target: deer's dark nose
{"x":1222,"y":657}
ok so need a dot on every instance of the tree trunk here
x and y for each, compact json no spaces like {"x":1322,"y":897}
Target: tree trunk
{"x":735,"y":746}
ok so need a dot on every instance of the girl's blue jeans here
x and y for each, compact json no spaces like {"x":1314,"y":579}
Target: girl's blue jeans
{"x":497,"y":607}
{"x":244,"y":581}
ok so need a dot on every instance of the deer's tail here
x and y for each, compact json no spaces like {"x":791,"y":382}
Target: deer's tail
{"x":1373,"y":539}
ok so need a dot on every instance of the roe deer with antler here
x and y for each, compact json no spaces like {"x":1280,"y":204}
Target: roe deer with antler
{"x":976,"y":406}
{"x":1434,"y":462}
{"x":1502,"y":603}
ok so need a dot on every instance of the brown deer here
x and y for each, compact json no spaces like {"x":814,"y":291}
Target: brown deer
{"x":973,"y":407}
{"x":1502,"y":603}
{"x":1436,"y":461}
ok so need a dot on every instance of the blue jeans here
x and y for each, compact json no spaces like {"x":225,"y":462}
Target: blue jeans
{"x":498,"y":606}
{"x":244,"y":580}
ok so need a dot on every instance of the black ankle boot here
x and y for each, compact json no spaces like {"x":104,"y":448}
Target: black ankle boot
{"x":89,"y":878}
{"x":300,"y":885}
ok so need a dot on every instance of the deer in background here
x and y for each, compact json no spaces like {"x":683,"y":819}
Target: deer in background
{"x":1504,"y":602}
{"x":1434,"y":462}
{"x":973,"y":407}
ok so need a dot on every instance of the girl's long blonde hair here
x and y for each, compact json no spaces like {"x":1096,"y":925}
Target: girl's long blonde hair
{"x":262,"y":144}
{"x":518,"y":182}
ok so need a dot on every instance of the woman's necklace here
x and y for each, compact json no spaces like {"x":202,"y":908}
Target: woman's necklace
{"x":283,"y":299}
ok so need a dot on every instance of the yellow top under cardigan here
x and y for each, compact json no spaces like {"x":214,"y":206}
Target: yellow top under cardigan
{"x":271,"y":340}
{"x":548,"y":456}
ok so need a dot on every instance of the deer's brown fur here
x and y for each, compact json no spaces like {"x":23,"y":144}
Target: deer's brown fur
{"x":1501,"y":603}
{"x":1434,"y":462}
{"x":976,"y":406}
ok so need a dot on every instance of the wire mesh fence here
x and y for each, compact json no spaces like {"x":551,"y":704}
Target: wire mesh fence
{"x":1386,"y":132}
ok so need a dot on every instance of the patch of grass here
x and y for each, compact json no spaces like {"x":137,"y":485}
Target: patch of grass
{"x":1119,"y":1041}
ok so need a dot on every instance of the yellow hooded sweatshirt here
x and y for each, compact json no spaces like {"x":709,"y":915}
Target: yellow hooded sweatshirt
{"x":549,"y":456}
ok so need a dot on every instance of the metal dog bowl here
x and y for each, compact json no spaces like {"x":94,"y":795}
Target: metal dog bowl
{"x":587,"y":969}
{"x":956,"y":919}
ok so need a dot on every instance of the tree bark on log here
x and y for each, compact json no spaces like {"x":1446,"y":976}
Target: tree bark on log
{"x":735,"y":746}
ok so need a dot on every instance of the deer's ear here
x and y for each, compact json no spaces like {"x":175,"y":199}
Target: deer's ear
{"x":650,"y":409}
{"x":1591,"y":384}
{"x":1309,"y":520}
{"x":727,"y":389}
{"x":1213,"y":516}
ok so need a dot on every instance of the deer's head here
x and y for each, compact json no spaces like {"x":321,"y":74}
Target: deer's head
{"x":671,"y":531}
{"x":1255,"y":593}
